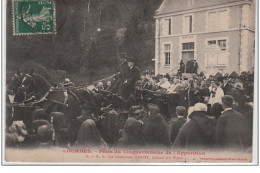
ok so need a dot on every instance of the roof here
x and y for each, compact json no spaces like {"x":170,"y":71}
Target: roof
{"x":172,"y":6}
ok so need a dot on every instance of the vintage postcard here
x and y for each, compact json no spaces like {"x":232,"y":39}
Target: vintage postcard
{"x":130,"y":82}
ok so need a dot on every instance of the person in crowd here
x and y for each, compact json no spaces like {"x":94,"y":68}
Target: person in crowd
{"x":67,"y":83}
{"x":231,"y":125}
{"x":123,"y":69}
{"x":130,"y":78}
{"x":164,"y":83}
{"x":203,"y":92}
{"x":199,"y":132}
{"x":195,"y":66}
{"x":215,"y":110}
{"x":16,"y":135}
{"x":37,"y":123}
{"x":45,"y":135}
{"x":133,"y":136}
{"x":138,"y":112}
{"x":87,"y":112}
{"x":216,"y":93}
{"x":63,"y":135}
{"x":182,"y":67}
{"x":89,"y":136}
{"x":177,"y":122}
{"x":227,"y":86}
{"x":248,"y":114}
{"x":238,"y":93}
{"x":100,"y":86}
{"x":108,"y":85}
{"x":40,"y":114}
{"x":155,"y":129}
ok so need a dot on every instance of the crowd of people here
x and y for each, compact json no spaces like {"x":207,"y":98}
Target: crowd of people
{"x":202,"y":113}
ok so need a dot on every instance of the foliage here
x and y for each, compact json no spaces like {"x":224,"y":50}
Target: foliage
{"x":88,"y":34}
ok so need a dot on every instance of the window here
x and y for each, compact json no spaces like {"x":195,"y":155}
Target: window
{"x":188,"y":24}
{"x":167,"y":54}
{"x":217,"y":20}
{"x":188,"y":46}
{"x":168,"y":26}
{"x":217,"y":52}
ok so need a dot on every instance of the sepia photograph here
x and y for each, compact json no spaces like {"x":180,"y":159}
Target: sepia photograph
{"x":129,"y":82}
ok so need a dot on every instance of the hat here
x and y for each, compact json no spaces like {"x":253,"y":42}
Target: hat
{"x":131,"y":59}
{"x":45,"y":133}
{"x":218,"y":74}
{"x":37,"y":123}
{"x":233,"y":75}
{"x":40,"y":114}
{"x":122,"y":55}
{"x":135,"y":110}
{"x":153,"y":108}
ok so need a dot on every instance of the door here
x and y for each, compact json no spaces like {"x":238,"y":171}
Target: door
{"x":186,"y":56}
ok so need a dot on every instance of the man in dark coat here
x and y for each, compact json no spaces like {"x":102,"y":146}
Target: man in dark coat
{"x":177,"y":122}
{"x":227,"y":86}
{"x":199,"y":132}
{"x":155,"y":129}
{"x":182,"y":67}
{"x":231,"y":125}
{"x":195,"y":66}
{"x":130,"y":78}
{"x":120,"y":77}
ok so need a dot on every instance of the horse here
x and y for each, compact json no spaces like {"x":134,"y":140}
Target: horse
{"x":38,"y":92}
{"x":70,"y":100}
{"x":14,"y":95}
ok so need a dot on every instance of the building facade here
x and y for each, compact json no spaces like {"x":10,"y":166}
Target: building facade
{"x":218,"y":34}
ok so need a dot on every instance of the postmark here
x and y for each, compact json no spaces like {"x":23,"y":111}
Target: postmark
{"x":32,"y":17}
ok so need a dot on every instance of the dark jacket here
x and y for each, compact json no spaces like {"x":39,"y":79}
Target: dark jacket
{"x":127,"y":88}
{"x":123,"y":70}
{"x":176,"y":125}
{"x":133,"y":75}
{"x":182,"y":67}
{"x":197,"y":133}
{"x":227,"y":88}
{"x":230,"y":131}
{"x":119,"y":78}
{"x":156,"y":131}
{"x":133,"y":138}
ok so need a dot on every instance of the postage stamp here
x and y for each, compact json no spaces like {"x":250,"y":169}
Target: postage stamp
{"x":34,"y":17}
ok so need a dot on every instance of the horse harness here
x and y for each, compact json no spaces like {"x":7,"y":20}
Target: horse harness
{"x":45,"y":97}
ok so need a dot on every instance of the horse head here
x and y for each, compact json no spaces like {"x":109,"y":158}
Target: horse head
{"x":34,"y":85}
{"x":15,"y":82}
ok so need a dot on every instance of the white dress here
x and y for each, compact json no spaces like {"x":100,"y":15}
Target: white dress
{"x":216,"y":98}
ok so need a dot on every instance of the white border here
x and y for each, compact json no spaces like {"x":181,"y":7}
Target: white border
{"x":255,"y":122}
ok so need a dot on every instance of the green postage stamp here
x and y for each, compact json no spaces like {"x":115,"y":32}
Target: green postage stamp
{"x":34,"y":17}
